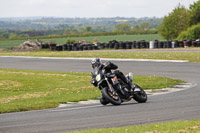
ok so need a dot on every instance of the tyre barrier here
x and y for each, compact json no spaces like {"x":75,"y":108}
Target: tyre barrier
{"x":52,"y":47}
{"x":161,"y":44}
{"x":116,"y":46}
{"x":45,"y":46}
{"x":59,"y":47}
{"x":196,"y":43}
{"x":122,"y":45}
{"x":129,"y":45}
{"x":156,"y":43}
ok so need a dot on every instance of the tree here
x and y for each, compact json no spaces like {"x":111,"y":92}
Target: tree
{"x":81,"y":30}
{"x":67,"y":32}
{"x":123,"y":27}
{"x":195,"y":13}
{"x":136,"y":27}
{"x":4,"y":35}
{"x":23,"y":35}
{"x":12,"y":36}
{"x":176,"y":22}
{"x":144,"y":26}
{"x":192,"y":33}
{"x":62,"y":26}
{"x":88,"y":28}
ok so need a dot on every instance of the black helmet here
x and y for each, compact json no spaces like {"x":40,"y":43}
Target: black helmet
{"x":95,"y":62}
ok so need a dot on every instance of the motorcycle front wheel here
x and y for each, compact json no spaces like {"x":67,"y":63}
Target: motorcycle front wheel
{"x":140,"y":96}
{"x":103,"y":101}
{"x":110,"y":96}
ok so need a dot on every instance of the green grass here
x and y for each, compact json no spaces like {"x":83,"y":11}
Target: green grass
{"x":14,"y":43}
{"x":6,"y":44}
{"x":192,"y":126}
{"x":190,"y":56}
{"x":22,"y":90}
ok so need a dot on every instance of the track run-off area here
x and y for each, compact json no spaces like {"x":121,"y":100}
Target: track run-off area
{"x":180,"y":105}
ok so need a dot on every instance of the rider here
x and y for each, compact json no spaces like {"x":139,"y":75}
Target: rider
{"x":108,"y":66}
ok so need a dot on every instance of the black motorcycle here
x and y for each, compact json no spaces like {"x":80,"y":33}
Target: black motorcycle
{"x":114,"y":90}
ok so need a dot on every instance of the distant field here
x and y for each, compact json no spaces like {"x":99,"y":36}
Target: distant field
{"x":13,"y":43}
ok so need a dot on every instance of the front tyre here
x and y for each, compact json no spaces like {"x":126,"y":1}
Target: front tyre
{"x":111,"y":97}
{"x":103,"y":101}
{"x":140,"y":96}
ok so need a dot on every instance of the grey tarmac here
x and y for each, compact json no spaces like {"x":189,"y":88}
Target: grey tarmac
{"x":180,"y":105}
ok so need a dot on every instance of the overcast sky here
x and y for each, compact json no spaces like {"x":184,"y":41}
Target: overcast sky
{"x":89,"y":8}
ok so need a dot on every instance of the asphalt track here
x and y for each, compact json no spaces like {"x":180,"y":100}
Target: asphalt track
{"x":181,"y":105}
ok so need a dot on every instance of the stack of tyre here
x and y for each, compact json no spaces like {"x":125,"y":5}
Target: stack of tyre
{"x":121,"y":45}
{"x":74,"y":47}
{"x":176,"y":44}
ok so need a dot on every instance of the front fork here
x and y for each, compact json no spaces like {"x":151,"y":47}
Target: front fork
{"x":118,"y":86}
{"x":111,"y":87}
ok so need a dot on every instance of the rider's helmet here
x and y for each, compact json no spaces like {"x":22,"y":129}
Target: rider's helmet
{"x":95,"y":62}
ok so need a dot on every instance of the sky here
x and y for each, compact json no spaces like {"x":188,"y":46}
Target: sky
{"x":89,"y":8}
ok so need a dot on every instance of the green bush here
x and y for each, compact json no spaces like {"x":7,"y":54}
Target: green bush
{"x":191,"y":33}
{"x":70,"y":41}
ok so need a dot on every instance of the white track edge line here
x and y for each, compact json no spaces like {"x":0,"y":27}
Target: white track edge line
{"x":116,"y":59}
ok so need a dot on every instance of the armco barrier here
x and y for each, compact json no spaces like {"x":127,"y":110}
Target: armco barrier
{"x":122,"y":45}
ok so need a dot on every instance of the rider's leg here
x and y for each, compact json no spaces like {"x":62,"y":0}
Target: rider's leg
{"x":120,"y":75}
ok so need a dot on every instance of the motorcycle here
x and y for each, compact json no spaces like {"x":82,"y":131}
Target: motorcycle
{"x":114,"y":90}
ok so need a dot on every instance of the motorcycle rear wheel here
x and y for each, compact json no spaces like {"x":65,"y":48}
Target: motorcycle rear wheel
{"x":140,"y":96}
{"x":111,"y":97}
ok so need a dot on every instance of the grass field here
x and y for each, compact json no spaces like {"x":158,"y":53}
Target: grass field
{"x":192,"y":126}
{"x":22,"y":90}
{"x":14,"y":43}
{"x":189,"y":56}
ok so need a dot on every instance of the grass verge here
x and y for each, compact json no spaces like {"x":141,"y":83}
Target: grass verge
{"x":23,"y":90}
{"x":190,"y":56}
{"x":192,"y":126}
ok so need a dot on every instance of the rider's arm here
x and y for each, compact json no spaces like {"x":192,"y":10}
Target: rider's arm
{"x":113,"y":66}
{"x":93,"y":81}
{"x":110,"y":65}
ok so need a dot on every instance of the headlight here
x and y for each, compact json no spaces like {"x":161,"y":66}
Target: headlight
{"x":98,"y":77}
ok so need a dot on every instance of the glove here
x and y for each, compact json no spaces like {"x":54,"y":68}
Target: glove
{"x":93,"y":82}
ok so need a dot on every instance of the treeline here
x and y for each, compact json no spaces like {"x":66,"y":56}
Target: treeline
{"x":12,"y":28}
{"x":46,"y":23}
{"x":122,"y":28}
{"x":182,"y":23}
{"x":12,"y":34}
{"x":87,"y":34}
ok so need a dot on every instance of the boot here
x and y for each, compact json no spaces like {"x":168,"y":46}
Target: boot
{"x":129,"y":84}
{"x":129,"y":78}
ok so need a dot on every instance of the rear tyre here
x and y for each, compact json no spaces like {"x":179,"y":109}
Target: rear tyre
{"x":111,"y":97}
{"x":140,"y":96}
